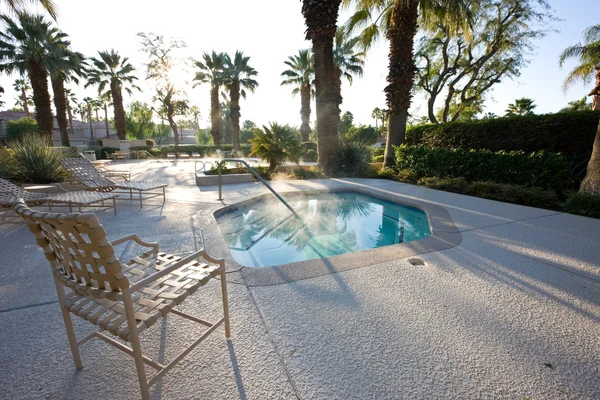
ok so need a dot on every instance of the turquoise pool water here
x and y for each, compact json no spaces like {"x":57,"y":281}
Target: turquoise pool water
{"x":265,"y":233}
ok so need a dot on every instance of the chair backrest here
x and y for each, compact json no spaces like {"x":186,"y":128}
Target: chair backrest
{"x":7,"y":187}
{"x":82,"y":170}
{"x":80,"y":255}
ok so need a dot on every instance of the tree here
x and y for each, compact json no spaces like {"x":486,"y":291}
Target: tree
{"x":379,"y":114}
{"x":194,"y":113}
{"x":577,"y":105}
{"x":276,"y":144}
{"x":113,"y":74}
{"x":520,"y":107}
{"x":239,"y":78}
{"x":139,"y":121}
{"x":89,"y":103}
{"x":20,"y":127}
{"x":588,"y":57}
{"x":247,"y":131}
{"x":397,"y":20}
{"x":24,"y":101}
{"x":320,"y":17}
{"x":27,"y":46}
{"x":348,"y":62}
{"x":461,"y":69}
{"x":300,"y":74}
{"x":211,"y":71}
{"x":70,"y":98}
{"x":18,"y":6}
{"x":363,"y":134}
{"x":345,"y":123}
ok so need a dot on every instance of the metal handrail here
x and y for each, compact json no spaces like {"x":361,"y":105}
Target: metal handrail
{"x":239,"y":160}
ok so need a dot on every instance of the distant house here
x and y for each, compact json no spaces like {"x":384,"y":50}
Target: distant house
{"x":80,"y":137}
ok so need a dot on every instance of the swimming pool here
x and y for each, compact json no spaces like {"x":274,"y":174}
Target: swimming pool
{"x":265,"y":233}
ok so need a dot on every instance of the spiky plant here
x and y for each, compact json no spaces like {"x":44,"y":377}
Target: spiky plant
{"x":35,"y":161}
{"x":276,"y":144}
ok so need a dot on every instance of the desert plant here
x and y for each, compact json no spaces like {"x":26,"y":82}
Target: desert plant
{"x":350,"y":160}
{"x":35,"y":161}
{"x":276,"y":144}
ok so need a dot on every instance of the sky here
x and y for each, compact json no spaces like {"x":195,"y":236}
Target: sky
{"x":269,"y":31}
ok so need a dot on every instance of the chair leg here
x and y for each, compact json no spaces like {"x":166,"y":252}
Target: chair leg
{"x":115,"y":205}
{"x":225,"y":302}
{"x":141,"y":204}
{"x":68,"y":326}
{"x":135,"y":345}
{"x":164,"y":195}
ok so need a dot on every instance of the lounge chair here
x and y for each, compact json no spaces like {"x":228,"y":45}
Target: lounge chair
{"x":82,"y":172}
{"x":110,"y":173}
{"x":121,"y":298}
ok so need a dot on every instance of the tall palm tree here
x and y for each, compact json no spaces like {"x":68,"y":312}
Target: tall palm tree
{"x":70,"y":98}
{"x":18,"y":6}
{"x":588,"y":56}
{"x":26,"y":46}
{"x":22,"y":85}
{"x":379,"y":114}
{"x":89,"y":103}
{"x":520,"y":108}
{"x":211,"y":70}
{"x":348,"y":62}
{"x":397,"y":20}
{"x":301,"y":74}
{"x":115,"y":72}
{"x":104,"y":101}
{"x":239,"y":78}
{"x":320,"y":17}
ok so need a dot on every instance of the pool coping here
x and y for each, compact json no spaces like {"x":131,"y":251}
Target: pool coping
{"x":444,"y":235}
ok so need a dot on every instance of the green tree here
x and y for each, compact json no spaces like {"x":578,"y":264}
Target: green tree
{"x":16,"y":129}
{"x":24,"y":101}
{"x":70,"y":99}
{"x":577,"y":105}
{"x":247,"y":131}
{"x":363,"y":134}
{"x":520,"y":107}
{"x":18,"y":6}
{"x":211,"y":71}
{"x":320,"y":17}
{"x":345,"y":123}
{"x":379,"y":114}
{"x":397,"y":20}
{"x":347,"y":61}
{"x":138,"y":121}
{"x":588,"y":57}
{"x":239,"y":78}
{"x":276,"y":144}
{"x":461,"y":69}
{"x":300,"y":74}
{"x":27,"y":46}
{"x":113,"y":73}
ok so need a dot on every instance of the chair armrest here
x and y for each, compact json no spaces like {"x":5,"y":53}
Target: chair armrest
{"x":151,"y":278}
{"x":136,"y":239}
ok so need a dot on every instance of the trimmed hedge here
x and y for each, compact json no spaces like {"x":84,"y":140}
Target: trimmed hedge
{"x":538,"y":169}
{"x":570,"y":133}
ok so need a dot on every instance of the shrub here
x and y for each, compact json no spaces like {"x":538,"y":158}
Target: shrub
{"x":386,"y":173}
{"x":533,"y":197}
{"x":310,"y":156}
{"x":150,"y":143}
{"x":16,"y":129}
{"x":276,"y":144}
{"x":264,"y":172}
{"x":350,"y":160}
{"x":582,"y":204}
{"x":539,"y":169}
{"x":377,"y":158}
{"x":155,"y":152}
{"x":456,"y":185}
{"x":306,"y":173}
{"x":35,"y":161}
{"x":570,"y":133}
{"x":407,"y":176}
{"x":6,"y":163}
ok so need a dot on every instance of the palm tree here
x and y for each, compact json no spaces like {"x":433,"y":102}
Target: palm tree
{"x":89,"y":103}
{"x":70,"y":98}
{"x":27,"y":46}
{"x":18,"y":6}
{"x":22,"y":85}
{"x":398,"y":21}
{"x":379,"y":114}
{"x":104,"y":101}
{"x":588,"y":56}
{"x":276,"y":144}
{"x":301,"y":74}
{"x":347,"y":61}
{"x":320,"y":17}
{"x":116,"y":72}
{"x":520,"y":108}
{"x":211,"y":70}
{"x":239,"y":77}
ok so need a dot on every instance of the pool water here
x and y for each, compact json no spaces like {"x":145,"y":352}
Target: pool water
{"x":265,"y":233}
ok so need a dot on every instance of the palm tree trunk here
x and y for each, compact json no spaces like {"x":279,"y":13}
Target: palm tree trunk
{"x":24,"y":99}
{"x":119,"y":110}
{"x":58,"y":87}
{"x":97,"y":117}
{"x":591,"y":182}
{"x":401,"y":73}
{"x":70,"y":114}
{"x":41,"y":97}
{"x":215,"y":129}
{"x":173,"y":126}
{"x":337,"y":76}
{"x":305,"y":112}
{"x":326,"y":99}
{"x":91,"y":122}
{"x":106,"y":120}
{"x":234,"y":109}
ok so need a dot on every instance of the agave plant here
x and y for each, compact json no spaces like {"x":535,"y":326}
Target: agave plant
{"x":350,"y":160}
{"x":35,"y":161}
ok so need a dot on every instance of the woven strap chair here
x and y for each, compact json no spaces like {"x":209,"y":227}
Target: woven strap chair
{"x":121,"y":298}
{"x":83,"y":172}
{"x":110,"y":173}
{"x":9,"y":193}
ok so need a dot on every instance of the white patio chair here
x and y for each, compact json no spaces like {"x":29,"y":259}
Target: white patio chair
{"x":122,"y":298}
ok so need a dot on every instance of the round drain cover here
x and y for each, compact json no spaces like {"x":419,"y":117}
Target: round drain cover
{"x":417,"y":262}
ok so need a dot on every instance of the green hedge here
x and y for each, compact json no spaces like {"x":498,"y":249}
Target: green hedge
{"x":538,"y":169}
{"x":569,"y":133}
{"x":202,"y":149}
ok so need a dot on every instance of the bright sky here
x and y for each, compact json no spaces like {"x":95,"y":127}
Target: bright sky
{"x":271,"y":30}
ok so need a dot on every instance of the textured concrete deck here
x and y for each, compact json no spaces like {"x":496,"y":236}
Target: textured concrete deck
{"x":511,"y":312}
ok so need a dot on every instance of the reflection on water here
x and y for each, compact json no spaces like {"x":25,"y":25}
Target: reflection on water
{"x":265,"y":233}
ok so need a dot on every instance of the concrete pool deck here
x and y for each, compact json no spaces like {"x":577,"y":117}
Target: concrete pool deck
{"x":512,"y":311}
